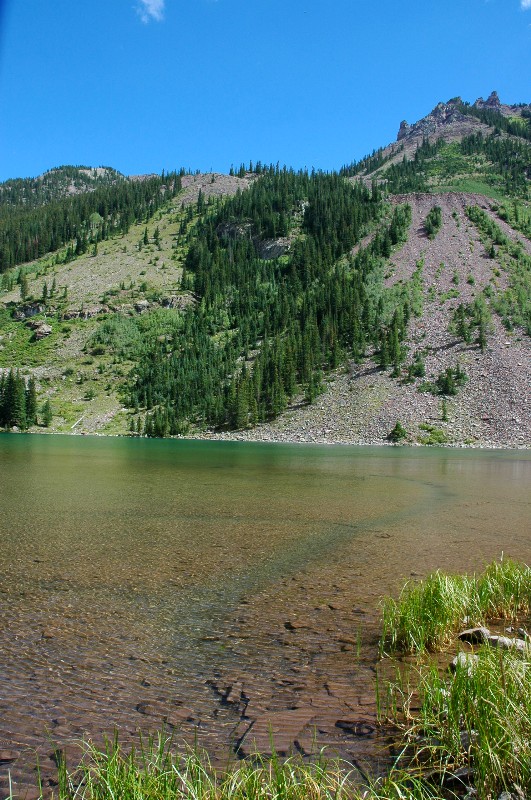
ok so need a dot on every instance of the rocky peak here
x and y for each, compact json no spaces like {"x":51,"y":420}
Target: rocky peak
{"x":492,"y":102}
{"x":442,"y":115}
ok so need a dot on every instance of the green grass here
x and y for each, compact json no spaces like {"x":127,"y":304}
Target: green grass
{"x":470,"y":186}
{"x":476,"y":719}
{"x":154,"y":772}
{"x":428,"y":614}
{"x":481,"y":717}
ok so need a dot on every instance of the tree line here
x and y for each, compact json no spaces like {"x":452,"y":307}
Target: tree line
{"x":18,"y":402}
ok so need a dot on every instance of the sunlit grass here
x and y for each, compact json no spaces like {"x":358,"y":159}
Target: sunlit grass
{"x":154,"y":772}
{"x":428,"y":614}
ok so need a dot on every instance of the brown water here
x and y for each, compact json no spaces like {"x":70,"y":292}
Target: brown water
{"x":224,"y":590}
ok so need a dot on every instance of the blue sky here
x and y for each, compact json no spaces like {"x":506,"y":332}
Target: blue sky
{"x":146,"y":85}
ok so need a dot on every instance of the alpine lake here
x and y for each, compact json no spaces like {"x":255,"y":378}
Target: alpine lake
{"x":226,"y":593}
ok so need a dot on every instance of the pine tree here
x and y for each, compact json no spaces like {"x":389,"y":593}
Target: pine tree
{"x":23,"y":283}
{"x":31,"y":402}
{"x":46,"y":414}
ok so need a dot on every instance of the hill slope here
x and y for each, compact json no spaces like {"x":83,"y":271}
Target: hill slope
{"x":492,"y":409}
{"x":300,"y":309}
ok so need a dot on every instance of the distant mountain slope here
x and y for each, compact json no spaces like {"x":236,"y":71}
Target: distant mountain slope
{"x":56,"y":184}
{"x":492,"y":408}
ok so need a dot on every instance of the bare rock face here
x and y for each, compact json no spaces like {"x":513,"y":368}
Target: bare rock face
{"x":405,"y":127}
{"x":492,"y":102}
{"x":234,"y":230}
{"x":85,"y":313}
{"x":442,"y":116}
{"x":272,"y":248}
{"x":28,"y":311}
{"x":178,"y":301}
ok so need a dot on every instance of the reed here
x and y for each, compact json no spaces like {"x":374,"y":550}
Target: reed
{"x":428,"y":614}
{"x":154,"y":772}
{"x":480,"y":719}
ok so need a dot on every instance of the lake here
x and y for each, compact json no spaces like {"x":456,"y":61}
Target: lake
{"x":226,"y":591}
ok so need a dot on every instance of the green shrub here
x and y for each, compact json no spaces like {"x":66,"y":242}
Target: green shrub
{"x":433,"y":222}
{"x":398,"y":433}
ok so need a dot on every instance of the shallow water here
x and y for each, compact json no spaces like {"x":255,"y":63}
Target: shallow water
{"x":142,"y":579}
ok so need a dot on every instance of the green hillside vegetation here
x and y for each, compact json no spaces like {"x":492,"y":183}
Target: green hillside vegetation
{"x":56,"y":184}
{"x":495,"y":165}
{"x":514,"y":304}
{"x":265,"y":330}
{"x":161,"y":312}
{"x":80,"y":220}
{"x":515,"y":126}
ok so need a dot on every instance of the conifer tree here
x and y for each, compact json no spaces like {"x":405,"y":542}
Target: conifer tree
{"x":31,"y":402}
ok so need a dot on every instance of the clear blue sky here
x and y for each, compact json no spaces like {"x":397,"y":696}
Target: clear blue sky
{"x":146,"y":85}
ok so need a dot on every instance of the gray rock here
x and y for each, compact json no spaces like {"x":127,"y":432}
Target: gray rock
{"x":465,"y":661}
{"x":272,"y":248}
{"x":43,"y":330}
{"x":506,"y":643}
{"x":477,"y":635}
{"x":468,"y":739}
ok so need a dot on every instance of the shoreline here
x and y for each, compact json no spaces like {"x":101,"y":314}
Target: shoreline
{"x":240,"y":438}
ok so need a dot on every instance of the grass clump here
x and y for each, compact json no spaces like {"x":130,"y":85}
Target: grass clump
{"x":481,"y":717}
{"x":433,"y":435}
{"x":428,"y":614}
{"x":155,"y":772}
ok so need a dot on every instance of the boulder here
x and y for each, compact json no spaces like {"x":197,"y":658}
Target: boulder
{"x":465,"y":661}
{"x":43,"y":330}
{"x":477,"y":635}
{"x":506,"y":643}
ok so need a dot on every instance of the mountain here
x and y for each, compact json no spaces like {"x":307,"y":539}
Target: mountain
{"x":387,"y":302}
{"x":56,"y":184}
{"x":484,"y":147}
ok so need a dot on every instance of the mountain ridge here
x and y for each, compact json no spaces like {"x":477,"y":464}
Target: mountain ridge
{"x":98,"y":309}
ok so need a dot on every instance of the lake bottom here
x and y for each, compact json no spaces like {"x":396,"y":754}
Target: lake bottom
{"x":227,"y":593}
